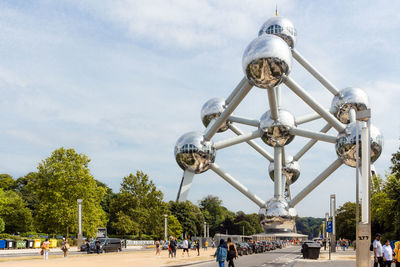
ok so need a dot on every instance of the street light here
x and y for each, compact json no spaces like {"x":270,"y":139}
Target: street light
{"x":80,"y":239}
{"x":166,"y":227}
{"x":205,"y":229}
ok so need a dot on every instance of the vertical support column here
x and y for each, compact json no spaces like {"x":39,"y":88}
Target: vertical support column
{"x":205,"y":229}
{"x":278,"y":172}
{"x":365,"y":175}
{"x":165,"y":227}
{"x":333,"y":215}
{"x":208,"y":230}
{"x":186,"y":183}
{"x":80,"y":237}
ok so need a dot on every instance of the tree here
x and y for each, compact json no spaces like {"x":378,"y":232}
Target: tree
{"x":346,"y":221}
{"x":140,"y":204}
{"x":395,"y":168}
{"x":63,"y":178}
{"x":189,"y":216}
{"x":2,"y":225}
{"x":16,"y":216}
{"x":308,"y":226}
{"x":23,"y":186}
{"x":249,"y":222}
{"x":219,"y":217}
{"x":6,"y":181}
{"x":174,"y":227}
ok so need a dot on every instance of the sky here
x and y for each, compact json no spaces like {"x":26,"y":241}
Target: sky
{"x":121,"y":81}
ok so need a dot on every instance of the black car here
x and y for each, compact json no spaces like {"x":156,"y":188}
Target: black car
{"x":106,"y":245}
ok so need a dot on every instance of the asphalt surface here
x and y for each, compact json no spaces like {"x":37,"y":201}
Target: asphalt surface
{"x":286,"y":257}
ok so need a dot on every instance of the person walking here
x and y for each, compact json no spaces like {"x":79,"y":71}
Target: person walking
{"x":158,"y":250}
{"x":232,"y":252}
{"x":396,"y":253}
{"x":387,"y":254}
{"x":97,"y":246}
{"x":65,"y":246}
{"x":185,"y":246}
{"x":45,"y":248}
{"x":377,"y":246}
{"x":221,"y":253}
{"x":197,"y":244}
{"x":173,"y":245}
{"x":87,"y":246}
{"x":205,"y":245}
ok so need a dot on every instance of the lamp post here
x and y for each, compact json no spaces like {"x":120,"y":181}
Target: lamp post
{"x":363,"y":228}
{"x":333,"y":215}
{"x":165,"y":227}
{"x":80,"y":239}
{"x":205,"y":229}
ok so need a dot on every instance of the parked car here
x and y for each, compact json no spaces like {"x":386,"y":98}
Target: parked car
{"x":107,"y":245}
{"x":165,"y":246}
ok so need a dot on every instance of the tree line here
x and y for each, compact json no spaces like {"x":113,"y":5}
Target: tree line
{"x":45,"y":201}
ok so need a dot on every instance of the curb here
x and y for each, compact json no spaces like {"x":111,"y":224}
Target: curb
{"x":189,"y":264}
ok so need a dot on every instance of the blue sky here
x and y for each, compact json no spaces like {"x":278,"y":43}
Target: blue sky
{"x":120,"y":81}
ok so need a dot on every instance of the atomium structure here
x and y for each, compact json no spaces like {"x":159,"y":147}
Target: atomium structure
{"x":267,"y":63}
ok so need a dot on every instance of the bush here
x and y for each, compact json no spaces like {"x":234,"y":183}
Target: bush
{"x":4,"y":236}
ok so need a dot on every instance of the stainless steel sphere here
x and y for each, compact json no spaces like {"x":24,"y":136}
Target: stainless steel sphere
{"x":351,"y":98}
{"x":291,"y":170}
{"x":277,"y":216}
{"x":281,"y":27}
{"x":265,"y":60}
{"x":212,"y":109}
{"x":276,"y":133}
{"x":193,"y":153}
{"x":346,"y":144}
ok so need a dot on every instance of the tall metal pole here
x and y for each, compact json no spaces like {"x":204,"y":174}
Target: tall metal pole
{"x":205,"y":229}
{"x":326,"y":230}
{"x":357,"y":175}
{"x":166,"y":227}
{"x":333,"y":215}
{"x":80,"y":237}
{"x":278,"y":172}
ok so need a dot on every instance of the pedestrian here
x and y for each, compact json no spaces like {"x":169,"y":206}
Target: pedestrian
{"x":158,"y":250}
{"x":173,"y":245}
{"x":343,"y":245}
{"x":377,"y":246}
{"x":170,"y":255}
{"x":205,"y":245}
{"x":387,"y":254}
{"x":98,"y":247}
{"x":396,"y":253}
{"x":45,"y":248}
{"x":232,"y":252}
{"x":185,"y":246}
{"x":87,"y":246}
{"x":197,"y":244}
{"x":65,"y":246}
{"x":221,"y":253}
{"x":213,"y":244}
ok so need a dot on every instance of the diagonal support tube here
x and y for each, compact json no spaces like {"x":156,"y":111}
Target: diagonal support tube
{"x":310,"y":143}
{"x":244,"y":89}
{"x":235,"y":91}
{"x":238,"y":139}
{"x":317,"y":181}
{"x":227,"y":177}
{"x":313,"y":104}
{"x":314,"y":72}
{"x":314,"y":135}
{"x":253,"y":144}
{"x":245,"y":121}
{"x":307,"y":118}
{"x":186,"y":183}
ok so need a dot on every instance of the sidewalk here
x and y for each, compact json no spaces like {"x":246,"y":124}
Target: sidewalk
{"x":340,"y":258}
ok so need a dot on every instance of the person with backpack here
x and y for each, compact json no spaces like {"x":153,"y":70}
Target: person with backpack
{"x":173,"y":245}
{"x":45,"y":249}
{"x":232,"y":252}
{"x":65,"y":246}
{"x":221,"y":253}
{"x":396,"y":253}
{"x":377,"y":249}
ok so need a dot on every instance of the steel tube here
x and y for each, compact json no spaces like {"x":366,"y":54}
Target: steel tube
{"x":186,"y":183}
{"x":245,"y":88}
{"x":314,"y":104}
{"x":311,"y":143}
{"x":238,"y":139}
{"x":273,"y":106}
{"x":278,"y":172}
{"x":235,"y":91}
{"x":314,"y":135}
{"x":317,"y":181}
{"x":307,"y":118}
{"x":253,"y":144}
{"x":278,"y":93}
{"x":241,"y":188}
{"x":314,"y":72}
{"x":364,"y":175}
{"x":245,"y":121}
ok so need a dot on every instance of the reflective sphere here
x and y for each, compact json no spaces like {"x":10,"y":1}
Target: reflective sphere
{"x":291,"y":170}
{"x":193,"y":153}
{"x":277,"y":217}
{"x":265,"y":60}
{"x":212,"y":109}
{"x":351,"y":98}
{"x":346,"y":144}
{"x":281,"y":27}
{"x":277,"y":133}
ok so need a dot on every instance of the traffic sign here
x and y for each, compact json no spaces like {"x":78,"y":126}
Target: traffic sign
{"x":329,"y":226}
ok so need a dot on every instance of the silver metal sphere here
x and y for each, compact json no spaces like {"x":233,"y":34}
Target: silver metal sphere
{"x":265,"y":60}
{"x":281,"y":27}
{"x":212,"y":109}
{"x":276,"y":133}
{"x":193,"y":153}
{"x":346,"y":144}
{"x":277,"y":216}
{"x":351,"y":97}
{"x":291,"y":170}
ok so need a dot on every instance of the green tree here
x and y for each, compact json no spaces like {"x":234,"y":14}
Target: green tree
{"x":189,"y":216}
{"x":308,"y":226}
{"x":23,"y":186}
{"x":141,"y":202}
{"x":219,"y":217}
{"x":174,"y":227}
{"x":63,"y":178}
{"x":6,"y":181}
{"x":2,"y":225}
{"x":17,"y":217}
{"x":346,"y":221}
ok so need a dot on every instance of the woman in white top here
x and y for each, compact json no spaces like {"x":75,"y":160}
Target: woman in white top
{"x":387,"y":253}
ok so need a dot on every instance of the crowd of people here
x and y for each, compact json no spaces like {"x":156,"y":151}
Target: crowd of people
{"x":385,"y":255}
